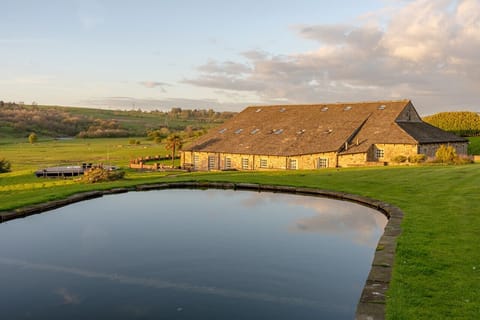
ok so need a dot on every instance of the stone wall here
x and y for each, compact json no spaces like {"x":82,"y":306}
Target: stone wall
{"x":225,"y":161}
{"x":430,"y":149}
{"x":352,"y":160}
{"x":390,"y":151}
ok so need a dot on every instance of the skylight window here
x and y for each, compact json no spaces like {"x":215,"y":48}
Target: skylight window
{"x":278,"y":131}
{"x":347,"y":108}
{"x":254,"y":131}
{"x":324,"y":109}
{"x":301,"y":131}
{"x":223,"y":130}
{"x":283,"y":110}
{"x":382,"y":107}
{"x":258,"y":110}
{"x":238,"y":131}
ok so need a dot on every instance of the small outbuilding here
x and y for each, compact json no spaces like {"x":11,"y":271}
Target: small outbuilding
{"x":318,"y":136}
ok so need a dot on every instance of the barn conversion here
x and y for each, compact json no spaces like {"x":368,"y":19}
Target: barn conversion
{"x":318,"y":136}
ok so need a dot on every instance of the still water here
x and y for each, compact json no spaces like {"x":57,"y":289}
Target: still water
{"x":189,"y":254}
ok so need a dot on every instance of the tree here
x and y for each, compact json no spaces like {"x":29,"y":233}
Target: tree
{"x":4,"y":166}
{"x":446,"y":154}
{"x":173,"y":142}
{"x":32,"y":138}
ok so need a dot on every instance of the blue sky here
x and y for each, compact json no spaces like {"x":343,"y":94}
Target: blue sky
{"x":226,"y":55}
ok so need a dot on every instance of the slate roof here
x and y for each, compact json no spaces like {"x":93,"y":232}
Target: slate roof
{"x":287,"y":130}
{"x":426,"y":133}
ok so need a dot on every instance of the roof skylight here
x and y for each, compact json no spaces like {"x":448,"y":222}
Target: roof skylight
{"x":258,"y":110}
{"x":324,"y":109}
{"x":238,"y":131}
{"x":382,"y":107}
{"x":223,"y":130}
{"x":254,"y":131}
{"x":347,"y":108}
{"x":278,"y":131}
{"x":283,"y":110}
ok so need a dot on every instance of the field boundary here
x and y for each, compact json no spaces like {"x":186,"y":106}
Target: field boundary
{"x":372,"y":301}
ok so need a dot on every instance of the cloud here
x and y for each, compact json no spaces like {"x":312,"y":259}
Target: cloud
{"x":166,"y":104}
{"x":154,"y":84}
{"x":425,"y":50}
{"x":69,"y":298}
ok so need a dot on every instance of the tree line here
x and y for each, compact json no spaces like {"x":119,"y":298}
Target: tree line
{"x":463,"y":123}
{"x":75,"y":122}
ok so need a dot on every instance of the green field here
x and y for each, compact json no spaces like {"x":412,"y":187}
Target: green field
{"x":437,"y":266}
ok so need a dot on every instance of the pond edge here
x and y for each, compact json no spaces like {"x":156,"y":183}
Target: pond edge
{"x":372,"y":301}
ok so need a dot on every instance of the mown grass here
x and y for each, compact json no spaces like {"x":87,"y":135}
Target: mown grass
{"x":474,"y":146}
{"x":437,"y":265}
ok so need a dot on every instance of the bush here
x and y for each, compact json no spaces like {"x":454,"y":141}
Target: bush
{"x":446,"y":154}
{"x":4,"y":166}
{"x":99,"y":174}
{"x":32,"y":138}
{"x":463,"y":160}
{"x":399,"y":159}
{"x":417,"y":158}
{"x":134,"y":141}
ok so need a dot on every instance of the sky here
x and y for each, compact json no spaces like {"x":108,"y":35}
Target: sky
{"x":226,"y":55}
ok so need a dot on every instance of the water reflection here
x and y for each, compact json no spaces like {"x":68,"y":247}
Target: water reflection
{"x":189,"y":254}
{"x":339,"y":218}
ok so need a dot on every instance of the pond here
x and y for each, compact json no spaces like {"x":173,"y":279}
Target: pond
{"x":189,"y":254}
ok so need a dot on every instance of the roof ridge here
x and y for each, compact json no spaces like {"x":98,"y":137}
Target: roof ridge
{"x":330,"y":103}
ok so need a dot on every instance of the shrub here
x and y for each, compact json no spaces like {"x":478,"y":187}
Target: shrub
{"x":134,"y":141}
{"x":32,"y":138}
{"x":99,"y":174}
{"x":4,"y":166}
{"x":446,"y":154}
{"x":417,"y":158}
{"x":463,"y":160}
{"x":399,"y":159}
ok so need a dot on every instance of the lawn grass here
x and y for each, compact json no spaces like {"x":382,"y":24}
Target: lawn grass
{"x":474,"y":145}
{"x":437,"y":267}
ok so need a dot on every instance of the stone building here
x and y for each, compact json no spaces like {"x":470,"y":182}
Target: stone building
{"x":318,"y":136}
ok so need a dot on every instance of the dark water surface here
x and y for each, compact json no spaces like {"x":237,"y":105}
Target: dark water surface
{"x":189,"y":254}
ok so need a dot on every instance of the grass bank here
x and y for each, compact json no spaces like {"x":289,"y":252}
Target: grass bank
{"x":437,"y":266}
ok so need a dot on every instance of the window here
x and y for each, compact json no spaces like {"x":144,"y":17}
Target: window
{"x":263,"y":163}
{"x":196,"y":161}
{"x":324,"y":109}
{"x":228,"y":163}
{"x":322,"y":163}
{"x":258,"y":110}
{"x":379,"y":153}
{"x":245,"y":163}
{"x":293,"y":164}
{"x":254,"y":131}
{"x":382,"y":107}
{"x":347,"y":108}
{"x":222,"y":131}
{"x":238,"y":131}
{"x":283,"y":110}
{"x":211,"y":162}
{"x":278,"y":131}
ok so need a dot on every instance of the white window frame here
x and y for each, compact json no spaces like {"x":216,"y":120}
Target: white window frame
{"x":196,"y":161}
{"x":211,"y":162}
{"x":263,"y":163}
{"x":228,"y":163}
{"x":322,"y":163}
{"x":293,"y":164}
{"x":379,"y":153}
{"x":245,"y":164}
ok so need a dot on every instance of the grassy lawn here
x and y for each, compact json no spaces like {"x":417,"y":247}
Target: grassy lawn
{"x":437,"y":266}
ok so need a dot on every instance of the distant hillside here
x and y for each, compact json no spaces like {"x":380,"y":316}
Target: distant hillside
{"x":55,"y":121}
{"x":462,"y":123}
